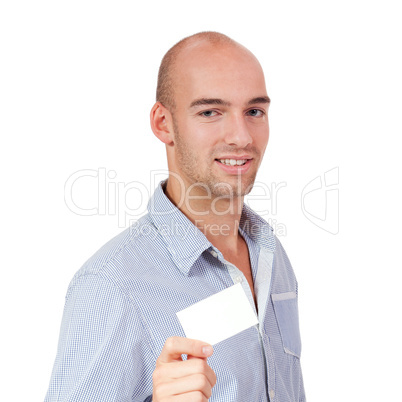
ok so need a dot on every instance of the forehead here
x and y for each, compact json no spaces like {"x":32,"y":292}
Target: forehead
{"x":223,"y":71}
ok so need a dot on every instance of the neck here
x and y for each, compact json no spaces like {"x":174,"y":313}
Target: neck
{"x":218,"y":217}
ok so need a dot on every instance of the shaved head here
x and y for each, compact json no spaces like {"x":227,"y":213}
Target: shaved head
{"x":165,"y":86}
{"x":211,"y":111}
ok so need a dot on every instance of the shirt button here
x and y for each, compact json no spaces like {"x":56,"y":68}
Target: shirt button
{"x":214,"y":253}
{"x":272,"y":394}
{"x":239,"y":279}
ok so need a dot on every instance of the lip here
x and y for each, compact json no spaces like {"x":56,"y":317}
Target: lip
{"x":235,"y":170}
{"x":237,"y":157}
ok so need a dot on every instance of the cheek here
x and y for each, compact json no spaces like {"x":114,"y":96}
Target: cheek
{"x":266,"y":139}
{"x":202,"y":136}
{"x":261,"y":139}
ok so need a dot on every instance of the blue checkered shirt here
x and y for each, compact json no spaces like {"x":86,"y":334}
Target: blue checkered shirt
{"x":121,"y":307}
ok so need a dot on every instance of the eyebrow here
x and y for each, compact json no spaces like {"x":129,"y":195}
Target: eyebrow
{"x":218,"y":101}
{"x":259,"y":99}
{"x":209,"y":101}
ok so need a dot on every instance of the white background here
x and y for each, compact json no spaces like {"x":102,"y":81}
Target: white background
{"x":77,"y":82}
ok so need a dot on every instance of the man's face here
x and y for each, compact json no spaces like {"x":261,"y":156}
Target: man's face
{"x":221,"y":118}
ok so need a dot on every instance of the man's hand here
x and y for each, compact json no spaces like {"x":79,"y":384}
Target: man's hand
{"x":189,"y":380}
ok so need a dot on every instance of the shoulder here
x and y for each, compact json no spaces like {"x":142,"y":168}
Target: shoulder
{"x":125,"y":255}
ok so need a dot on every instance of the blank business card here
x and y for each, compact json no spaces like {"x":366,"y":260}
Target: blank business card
{"x":219,"y":316}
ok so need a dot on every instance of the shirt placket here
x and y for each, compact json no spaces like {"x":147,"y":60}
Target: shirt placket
{"x":262,"y":287}
{"x":238,"y":277}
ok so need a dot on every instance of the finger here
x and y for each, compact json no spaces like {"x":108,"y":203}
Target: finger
{"x":176,"y":346}
{"x":191,"y":383}
{"x":201,"y":366}
{"x":196,"y":396}
{"x":184,"y":368}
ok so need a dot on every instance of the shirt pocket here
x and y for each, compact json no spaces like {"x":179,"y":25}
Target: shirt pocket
{"x":287,"y":317}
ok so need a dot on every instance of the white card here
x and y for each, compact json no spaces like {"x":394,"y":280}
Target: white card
{"x":219,"y":316}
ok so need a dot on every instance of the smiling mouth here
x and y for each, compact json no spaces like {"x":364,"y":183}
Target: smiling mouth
{"x":233,"y":162}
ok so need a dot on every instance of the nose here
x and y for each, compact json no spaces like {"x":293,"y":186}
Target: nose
{"x":237,"y":131}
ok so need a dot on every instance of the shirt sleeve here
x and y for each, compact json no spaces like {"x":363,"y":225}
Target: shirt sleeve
{"x":103,"y":351}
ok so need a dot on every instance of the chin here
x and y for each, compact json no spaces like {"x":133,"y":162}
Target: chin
{"x":228,"y":190}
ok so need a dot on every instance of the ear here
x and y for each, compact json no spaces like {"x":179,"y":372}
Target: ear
{"x":161,"y":125}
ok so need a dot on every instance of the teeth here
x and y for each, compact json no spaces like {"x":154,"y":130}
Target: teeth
{"x":233,"y":162}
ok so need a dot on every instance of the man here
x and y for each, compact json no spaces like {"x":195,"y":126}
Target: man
{"x":120,"y":337}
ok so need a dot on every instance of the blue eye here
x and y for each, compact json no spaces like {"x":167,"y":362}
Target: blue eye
{"x":208,"y":113}
{"x":255,"y":112}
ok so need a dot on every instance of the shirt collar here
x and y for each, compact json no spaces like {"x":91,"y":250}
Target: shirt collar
{"x":257,"y":228}
{"x":186,"y":242}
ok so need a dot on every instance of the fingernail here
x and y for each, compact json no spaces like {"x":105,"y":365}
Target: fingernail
{"x":207,"y":350}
